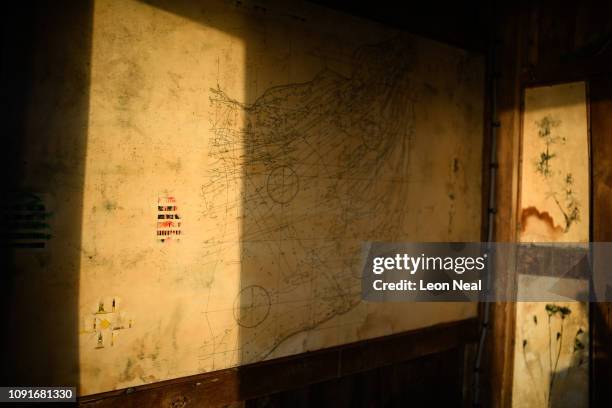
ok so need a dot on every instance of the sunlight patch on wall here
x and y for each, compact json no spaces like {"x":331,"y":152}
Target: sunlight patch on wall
{"x":149,"y":113}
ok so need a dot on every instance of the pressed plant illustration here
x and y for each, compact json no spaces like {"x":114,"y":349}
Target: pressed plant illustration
{"x":556,"y":323}
{"x":553,"y":357}
{"x":561,"y":186}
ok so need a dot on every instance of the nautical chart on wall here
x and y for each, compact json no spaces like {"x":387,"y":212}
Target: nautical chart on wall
{"x":325,"y":164}
{"x":287,"y":147}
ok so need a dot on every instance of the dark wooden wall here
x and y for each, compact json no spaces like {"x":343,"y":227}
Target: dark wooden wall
{"x":433,"y":380}
{"x":566,"y":41}
{"x":426,"y":366}
{"x":538,"y":43}
{"x":601,"y":156}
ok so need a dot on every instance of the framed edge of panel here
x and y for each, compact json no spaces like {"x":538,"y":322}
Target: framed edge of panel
{"x":591,"y":309}
{"x":600,"y":372}
{"x":530,"y":85}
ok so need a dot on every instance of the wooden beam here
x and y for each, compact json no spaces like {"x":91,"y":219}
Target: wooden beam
{"x":499,"y":351}
{"x":601,"y":162}
{"x":254,"y":380}
{"x":551,"y":72}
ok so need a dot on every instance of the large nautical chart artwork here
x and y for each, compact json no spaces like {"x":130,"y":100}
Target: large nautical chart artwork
{"x":551,"y":353}
{"x":284,"y":145}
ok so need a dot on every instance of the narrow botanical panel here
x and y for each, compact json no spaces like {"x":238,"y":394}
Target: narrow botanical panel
{"x":555,"y":165}
{"x":551,"y":352}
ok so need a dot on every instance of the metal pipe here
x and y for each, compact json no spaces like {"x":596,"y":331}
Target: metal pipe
{"x":493,"y":165}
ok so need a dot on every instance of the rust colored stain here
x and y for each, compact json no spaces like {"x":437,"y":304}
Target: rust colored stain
{"x":544,"y":216}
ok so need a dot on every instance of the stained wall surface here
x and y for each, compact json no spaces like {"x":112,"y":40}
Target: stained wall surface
{"x":236,"y":159}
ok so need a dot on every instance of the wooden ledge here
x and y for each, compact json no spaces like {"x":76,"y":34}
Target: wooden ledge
{"x":267,"y":377}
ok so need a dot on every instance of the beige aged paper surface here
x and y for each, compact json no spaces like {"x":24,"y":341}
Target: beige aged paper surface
{"x":235,"y":163}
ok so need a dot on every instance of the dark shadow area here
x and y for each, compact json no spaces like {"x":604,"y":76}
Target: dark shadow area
{"x":431,"y":381}
{"x":462,"y":24}
{"x":45,"y":96}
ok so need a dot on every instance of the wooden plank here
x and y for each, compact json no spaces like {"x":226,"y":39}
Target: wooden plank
{"x":548,"y":73}
{"x":496,"y":374}
{"x":567,"y":42}
{"x":410,"y":383}
{"x":374,"y":353}
{"x":601,"y":162}
{"x":269,"y":377}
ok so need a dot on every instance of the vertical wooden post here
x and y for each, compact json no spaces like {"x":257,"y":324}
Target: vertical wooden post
{"x":500,"y":342}
{"x":601,"y":162}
